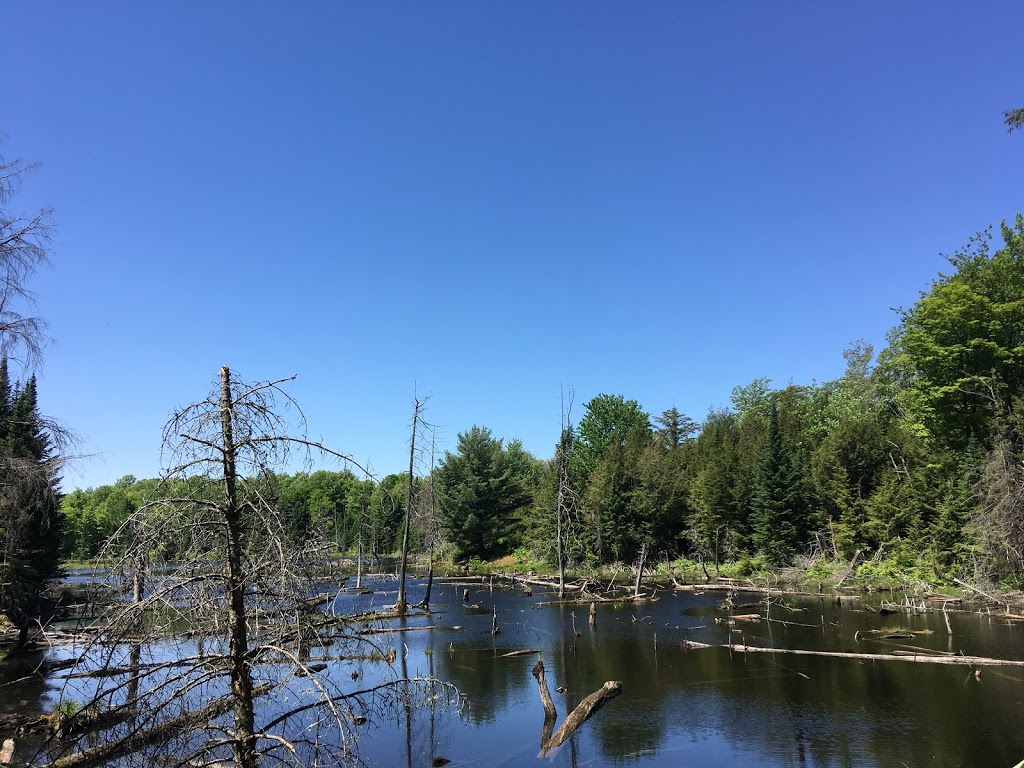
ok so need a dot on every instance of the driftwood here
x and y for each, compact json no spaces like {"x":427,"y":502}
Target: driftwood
{"x":583,"y":711}
{"x":923,"y":658}
{"x":391,"y":630}
{"x":542,"y":583}
{"x":133,"y":742}
{"x":526,"y":652}
{"x":589,"y":598}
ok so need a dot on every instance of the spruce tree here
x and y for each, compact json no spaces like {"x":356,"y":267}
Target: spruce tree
{"x":30,"y":518}
{"x":775,"y":518}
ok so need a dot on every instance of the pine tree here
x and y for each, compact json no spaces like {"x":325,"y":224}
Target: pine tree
{"x":775,"y":521}
{"x":30,"y":517}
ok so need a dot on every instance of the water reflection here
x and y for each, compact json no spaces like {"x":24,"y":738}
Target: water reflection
{"x":681,"y":707}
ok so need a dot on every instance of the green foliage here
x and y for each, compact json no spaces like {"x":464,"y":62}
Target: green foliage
{"x":610,"y":421}
{"x":917,"y":456}
{"x":675,"y":428}
{"x":747,"y":568}
{"x":1014,"y":119}
{"x":480,"y":488}
{"x":823,"y":570}
{"x":958,"y":353}
{"x":778,"y":513}
{"x":31,"y":525}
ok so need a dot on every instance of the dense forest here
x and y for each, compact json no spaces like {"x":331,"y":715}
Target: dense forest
{"x":910,"y":462}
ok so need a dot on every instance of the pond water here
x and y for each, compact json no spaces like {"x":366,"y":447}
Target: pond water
{"x":679,"y":706}
{"x":705,"y":707}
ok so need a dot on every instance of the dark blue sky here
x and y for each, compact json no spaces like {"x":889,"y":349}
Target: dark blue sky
{"x":490,"y":201}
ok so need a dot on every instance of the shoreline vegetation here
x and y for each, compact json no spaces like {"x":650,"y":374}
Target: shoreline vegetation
{"x":817,"y":576}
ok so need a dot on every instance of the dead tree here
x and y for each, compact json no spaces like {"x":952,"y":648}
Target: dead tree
{"x":29,"y":517}
{"x":431,"y":527}
{"x":564,"y":497}
{"x":401,"y":605}
{"x":583,"y":711}
{"x":242,"y":588}
{"x":24,"y":249}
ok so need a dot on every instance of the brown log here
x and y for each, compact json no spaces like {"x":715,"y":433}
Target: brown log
{"x":133,"y":742}
{"x":545,"y":694}
{"x":583,"y":712}
{"x":972,"y":661}
{"x":550,"y":713}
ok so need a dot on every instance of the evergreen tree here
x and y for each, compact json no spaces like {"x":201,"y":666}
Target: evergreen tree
{"x":775,"y":518}
{"x":30,"y":518}
{"x":480,"y":488}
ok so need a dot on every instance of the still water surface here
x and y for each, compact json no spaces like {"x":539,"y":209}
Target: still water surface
{"x":697,"y":707}
{"x":705,"y":707}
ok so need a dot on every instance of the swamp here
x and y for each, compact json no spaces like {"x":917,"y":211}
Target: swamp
{"x":913,"y":682}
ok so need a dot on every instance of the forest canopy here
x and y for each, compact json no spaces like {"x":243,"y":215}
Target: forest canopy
{"x":912,"y":456}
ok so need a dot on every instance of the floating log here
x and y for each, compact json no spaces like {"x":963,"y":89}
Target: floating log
{"x":922,"y":658}
{"x":389,"y":630}
{"x":526,"y":652}
{"x":588,"y":598}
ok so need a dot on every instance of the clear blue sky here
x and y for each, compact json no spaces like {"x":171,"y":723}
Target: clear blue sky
{"x":489,"y":201}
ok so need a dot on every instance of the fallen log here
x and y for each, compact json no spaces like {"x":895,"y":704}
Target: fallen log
{"x":526,"y":652}
{"x":583,"y":712}
{"x":111,"y":750}
{"x":390,"y":630}
{"x":923,"y":658}
{"x":589,"y":598}
{"x":543,"y":583}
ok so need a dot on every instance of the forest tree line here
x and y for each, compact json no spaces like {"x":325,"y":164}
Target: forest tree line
{"x":913,"y":456}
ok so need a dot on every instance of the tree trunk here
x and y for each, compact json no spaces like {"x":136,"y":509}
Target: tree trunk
{"x":583,"y":711}
{"x":238,"y":653}
{"x":564,"y":448}
{"x":401,"y":605}
{"x":359,"y":547}
{"x":640,"y":570}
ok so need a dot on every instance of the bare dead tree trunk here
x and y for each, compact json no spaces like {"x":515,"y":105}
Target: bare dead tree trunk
{"x":640,"y":570}
{"x":240,"y":674}
{"x":359,"y":546}
{"x":564,"y":448}
{"x":564,"y":492}
{"x":432,"y":527}
{"x":238,"y":578}
{"x":583,"y":711}
{"x":401,"y":605}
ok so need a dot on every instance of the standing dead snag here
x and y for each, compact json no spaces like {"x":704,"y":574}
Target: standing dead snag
{"x":240,"y":583}
{"x":402,"y":603}
{"x":583,"y":711}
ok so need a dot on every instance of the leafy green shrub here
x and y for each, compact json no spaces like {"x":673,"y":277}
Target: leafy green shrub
{"x":746,"y":567}
{"x":824,"y":570}
{"x":1014,"y":583}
